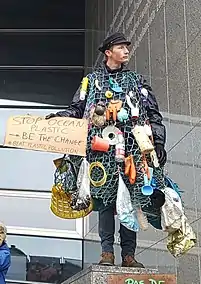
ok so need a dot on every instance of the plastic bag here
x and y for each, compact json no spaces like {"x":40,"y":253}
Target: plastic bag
{"x":181,"y":241}
{"x":172,"y":211}
{"x":65,"y":175}
{"x":142,"y":219}
{"x":81,"y":199}
{"x":124,"y":208}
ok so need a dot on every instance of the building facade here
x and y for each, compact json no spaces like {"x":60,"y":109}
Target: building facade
{"x":41,"y":69}
{"x":166,"y":38}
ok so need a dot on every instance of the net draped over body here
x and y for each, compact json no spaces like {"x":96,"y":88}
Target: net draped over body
{"x":107,"y":193}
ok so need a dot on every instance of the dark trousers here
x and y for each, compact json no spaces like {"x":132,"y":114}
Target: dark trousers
{"x":107,"y":231}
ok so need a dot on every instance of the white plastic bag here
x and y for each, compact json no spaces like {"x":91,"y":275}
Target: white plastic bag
{"x":81,"y":199}
{"x":83,"y":181}
{"x":172,"y":211}
{"x":124,"y":208}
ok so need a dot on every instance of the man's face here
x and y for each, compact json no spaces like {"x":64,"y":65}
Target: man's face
{"x":118,"y":53}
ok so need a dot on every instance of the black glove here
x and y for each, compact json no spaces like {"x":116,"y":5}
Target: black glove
{"x":161,"y":154}
{"x":50,"y":115}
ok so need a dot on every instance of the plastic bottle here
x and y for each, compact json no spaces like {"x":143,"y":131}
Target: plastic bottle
{"x":120,"y":148}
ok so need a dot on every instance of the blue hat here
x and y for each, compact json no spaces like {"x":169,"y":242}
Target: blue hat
{"x":113,"y":39}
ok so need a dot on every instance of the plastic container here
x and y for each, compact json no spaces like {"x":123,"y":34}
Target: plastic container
{"x":142,"y":139}
{"x":99,"y":144}
{"x":120,"y":148}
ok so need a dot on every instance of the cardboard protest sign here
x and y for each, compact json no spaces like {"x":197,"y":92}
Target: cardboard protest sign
{"x":57,"y":135}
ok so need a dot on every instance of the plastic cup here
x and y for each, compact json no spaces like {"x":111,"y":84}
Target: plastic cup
{"x":99,"y":144}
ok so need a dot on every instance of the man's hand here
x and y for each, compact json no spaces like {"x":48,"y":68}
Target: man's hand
{"x":161,"y":154}
{"x":50,"y":115}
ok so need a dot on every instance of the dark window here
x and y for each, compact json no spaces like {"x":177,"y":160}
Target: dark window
{"x":42,"y":14}
{"x":50,"y":87}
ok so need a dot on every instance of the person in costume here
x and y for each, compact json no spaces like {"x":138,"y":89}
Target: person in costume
{"x":115,"y":101}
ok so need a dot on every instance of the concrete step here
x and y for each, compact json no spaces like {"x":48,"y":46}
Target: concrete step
{"x":96,"y":274}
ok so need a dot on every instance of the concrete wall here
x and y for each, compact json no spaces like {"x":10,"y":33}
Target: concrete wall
{"x":166,"y":38}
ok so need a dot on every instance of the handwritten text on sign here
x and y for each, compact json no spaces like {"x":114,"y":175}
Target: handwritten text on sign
{"x":59,"y":134}
{"x":142,"y":279}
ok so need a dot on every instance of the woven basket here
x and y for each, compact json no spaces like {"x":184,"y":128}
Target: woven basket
{"x":60,"y":205}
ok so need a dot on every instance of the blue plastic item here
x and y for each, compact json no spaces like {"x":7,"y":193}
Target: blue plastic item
{"x":115,"y":86}
{"x":147,"y":189}
{"x":122,"y":115}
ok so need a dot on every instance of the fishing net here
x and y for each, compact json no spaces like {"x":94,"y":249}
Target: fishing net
{"x":107,"y":193}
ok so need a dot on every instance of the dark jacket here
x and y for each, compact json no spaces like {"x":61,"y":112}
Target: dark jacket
{"x":77,"y":107}
{"x":153,"y":113}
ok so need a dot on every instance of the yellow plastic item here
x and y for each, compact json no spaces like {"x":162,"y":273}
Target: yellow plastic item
{"x":83,"y":89}
{"x":108,"y":94}
{"x":181,"y":241}
{"x":60,"y":205}
{"x":85,"y":82}
{"x":104,"y":178}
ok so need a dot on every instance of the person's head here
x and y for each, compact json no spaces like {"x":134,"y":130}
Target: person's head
{"x":115,"y":48}
{"x":3,"y":232}
{"x":118,"y":53}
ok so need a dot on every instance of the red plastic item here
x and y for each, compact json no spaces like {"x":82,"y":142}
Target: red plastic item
{"x":99,"y":144}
